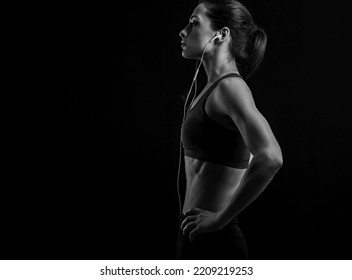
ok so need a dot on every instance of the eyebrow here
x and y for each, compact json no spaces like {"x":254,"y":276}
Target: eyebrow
{"x":192,"y":16}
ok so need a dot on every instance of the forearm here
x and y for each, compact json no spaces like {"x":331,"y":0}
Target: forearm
{"x":256,"y":178}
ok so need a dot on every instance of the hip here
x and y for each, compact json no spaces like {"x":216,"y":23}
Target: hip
{"x":226,"y":243}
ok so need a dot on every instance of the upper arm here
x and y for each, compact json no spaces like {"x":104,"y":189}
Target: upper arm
{"x":234,"y":99}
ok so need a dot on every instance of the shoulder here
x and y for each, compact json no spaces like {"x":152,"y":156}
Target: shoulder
{"x":233,"y":96}
{"x":234,"y":88}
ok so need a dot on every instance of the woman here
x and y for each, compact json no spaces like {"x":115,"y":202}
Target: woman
{"x":231,"y":154}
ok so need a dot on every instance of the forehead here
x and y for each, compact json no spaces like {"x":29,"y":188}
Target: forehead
{"x":200,"y":12}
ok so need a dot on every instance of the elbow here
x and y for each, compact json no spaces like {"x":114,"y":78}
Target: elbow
{"x":277,"y":162}
{"x":273,"y":160}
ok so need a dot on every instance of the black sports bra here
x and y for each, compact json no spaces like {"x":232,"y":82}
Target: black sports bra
{"x":205,"y":139}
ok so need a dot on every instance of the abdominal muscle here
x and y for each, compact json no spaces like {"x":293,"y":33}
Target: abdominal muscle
{"x":209,"y":185}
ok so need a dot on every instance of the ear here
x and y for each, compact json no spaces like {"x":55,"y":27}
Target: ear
{"x":225,"y":33}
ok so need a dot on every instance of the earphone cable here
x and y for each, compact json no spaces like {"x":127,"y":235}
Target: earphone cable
{"x":183,"y":119}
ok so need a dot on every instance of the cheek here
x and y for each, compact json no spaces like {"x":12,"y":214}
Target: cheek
{"x":199,"y":38}
{"x":195,"y":35}
{"x":196,"y":40}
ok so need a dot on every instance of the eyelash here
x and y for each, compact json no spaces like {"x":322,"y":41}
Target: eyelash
{"x":193,"y":23}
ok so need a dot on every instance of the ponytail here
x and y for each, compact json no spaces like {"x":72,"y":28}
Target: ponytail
{"x":255,"y":52}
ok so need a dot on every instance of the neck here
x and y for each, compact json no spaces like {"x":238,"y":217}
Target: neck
{"x":217,"y":65}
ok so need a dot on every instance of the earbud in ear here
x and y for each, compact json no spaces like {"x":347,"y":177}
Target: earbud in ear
{"x":217,"y":36}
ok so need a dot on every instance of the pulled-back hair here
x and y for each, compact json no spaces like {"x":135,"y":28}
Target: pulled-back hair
{"x":248,"y":41}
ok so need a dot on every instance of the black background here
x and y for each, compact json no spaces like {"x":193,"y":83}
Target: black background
{"x":94,"y":134}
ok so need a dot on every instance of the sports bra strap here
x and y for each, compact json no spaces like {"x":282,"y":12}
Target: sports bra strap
{"x":223,"y":77}
{"x":210,"y":89}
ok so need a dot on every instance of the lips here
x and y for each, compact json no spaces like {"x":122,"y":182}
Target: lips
{"x":183,"y":44}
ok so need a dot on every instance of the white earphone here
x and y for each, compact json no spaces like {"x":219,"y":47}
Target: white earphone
{"x":215,"y":37}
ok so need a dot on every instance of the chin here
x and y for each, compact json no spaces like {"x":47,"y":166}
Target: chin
{"x":185,"y":56}
{"x":189,"y":55}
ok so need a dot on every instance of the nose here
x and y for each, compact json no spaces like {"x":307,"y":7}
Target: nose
{"x":183,"y":33}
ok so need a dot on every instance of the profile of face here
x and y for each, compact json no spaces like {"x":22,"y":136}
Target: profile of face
{"x":196,"y":34}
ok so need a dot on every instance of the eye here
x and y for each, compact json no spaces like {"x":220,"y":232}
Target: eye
{"x":193,"y":23}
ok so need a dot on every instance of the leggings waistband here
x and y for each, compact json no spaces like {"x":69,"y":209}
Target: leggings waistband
{"x":232,"y":221}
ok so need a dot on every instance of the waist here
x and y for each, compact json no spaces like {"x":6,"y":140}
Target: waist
{"x":203,"y":172}
{"x":208,"y":185}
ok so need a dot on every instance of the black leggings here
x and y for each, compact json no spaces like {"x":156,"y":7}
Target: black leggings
{"x":225,"y":244}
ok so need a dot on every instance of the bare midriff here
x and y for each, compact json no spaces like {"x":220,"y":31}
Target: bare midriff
{"x":209,"y":185}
